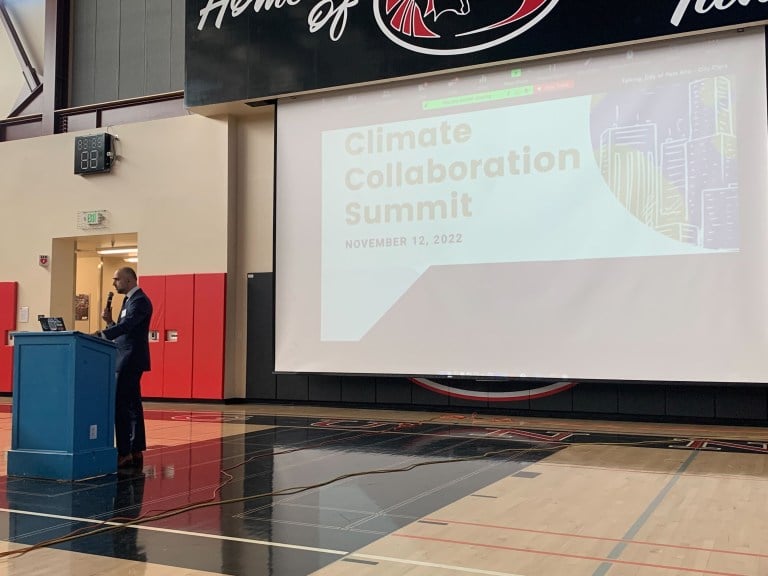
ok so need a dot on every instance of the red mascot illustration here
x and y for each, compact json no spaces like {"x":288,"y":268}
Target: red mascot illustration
{"x":409,"y":17}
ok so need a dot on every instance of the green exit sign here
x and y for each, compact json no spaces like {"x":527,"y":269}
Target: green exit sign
{"x":90,"y":219}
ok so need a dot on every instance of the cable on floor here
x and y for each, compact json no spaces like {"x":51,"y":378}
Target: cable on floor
{"x":110,"y":525}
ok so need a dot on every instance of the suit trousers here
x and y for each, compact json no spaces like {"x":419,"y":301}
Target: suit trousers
{"x":129,"y":413}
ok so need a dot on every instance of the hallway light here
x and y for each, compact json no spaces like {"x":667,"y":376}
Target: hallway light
{"x":132,"y":259}
{"x":124,"y":250}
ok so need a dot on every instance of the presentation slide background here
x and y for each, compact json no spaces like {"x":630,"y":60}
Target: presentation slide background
{"x":624,"y":316}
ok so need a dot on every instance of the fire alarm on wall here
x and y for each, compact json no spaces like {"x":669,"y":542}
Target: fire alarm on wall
{"x":43,"y":260}
{"x":93,"y":153}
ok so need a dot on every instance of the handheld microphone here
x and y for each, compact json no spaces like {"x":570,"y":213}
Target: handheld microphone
{"x":109,"y":300}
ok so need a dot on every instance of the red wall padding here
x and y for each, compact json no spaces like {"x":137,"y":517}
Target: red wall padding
{"x":8,"y":295}
{"x":6,"y":368}
{"x":8,"y":292}
{"x":195,"y":307}
{"x":152,"y":381}
{"x":208,"y":347}
{"x":179,"y":317}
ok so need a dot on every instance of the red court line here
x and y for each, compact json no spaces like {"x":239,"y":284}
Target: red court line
{"x":569,"y":535}
{"x":565,"y":555}
{"x":687,"y":474}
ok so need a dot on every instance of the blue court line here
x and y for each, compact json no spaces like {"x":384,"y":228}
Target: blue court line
{"x":617,"y":551}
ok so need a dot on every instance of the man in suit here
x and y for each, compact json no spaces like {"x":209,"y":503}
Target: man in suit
{"x":131,"y":334}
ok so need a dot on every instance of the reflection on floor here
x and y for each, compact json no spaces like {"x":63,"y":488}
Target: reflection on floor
{"x":292,"y":491}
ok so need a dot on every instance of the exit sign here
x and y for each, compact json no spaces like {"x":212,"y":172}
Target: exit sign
{"x":92,"y":219}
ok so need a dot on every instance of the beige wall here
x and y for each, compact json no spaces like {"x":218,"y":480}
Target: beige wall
{"x":255,"y":176}
{"x":170,"y":186}
{"x":197,"y":191}
{"x":28,"y":17}
{"x":254,"y":171}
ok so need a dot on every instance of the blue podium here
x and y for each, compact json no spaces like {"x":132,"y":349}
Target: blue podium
{"x":63,"y":424}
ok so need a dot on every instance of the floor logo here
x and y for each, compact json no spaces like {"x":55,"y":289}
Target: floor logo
{"x":492,"y":390}
{"x":447,"y":27}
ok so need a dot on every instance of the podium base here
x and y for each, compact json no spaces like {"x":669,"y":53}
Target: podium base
{"x":62,"y":465}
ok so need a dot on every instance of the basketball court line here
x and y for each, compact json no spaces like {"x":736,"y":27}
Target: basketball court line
{"x":329,"y":551}
{"x":444,"y":522}
{"x":434,"y":565}
{"x":633,"y":530}
{"x":179,"y":532}
{"x":565,"y":555}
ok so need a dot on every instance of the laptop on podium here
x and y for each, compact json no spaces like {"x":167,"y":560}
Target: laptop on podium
{"x":53,"y":324}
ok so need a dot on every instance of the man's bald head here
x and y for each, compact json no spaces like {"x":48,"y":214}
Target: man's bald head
{"x":124,"y":280}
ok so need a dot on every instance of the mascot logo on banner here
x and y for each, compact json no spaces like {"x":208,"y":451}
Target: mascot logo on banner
{"x":447,"y":27}
{"x":434,"y":27}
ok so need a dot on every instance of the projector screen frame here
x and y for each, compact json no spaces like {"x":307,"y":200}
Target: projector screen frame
{"x":456,"y":376}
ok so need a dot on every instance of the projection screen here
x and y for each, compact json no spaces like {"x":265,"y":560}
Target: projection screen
{"x":600,"y":216}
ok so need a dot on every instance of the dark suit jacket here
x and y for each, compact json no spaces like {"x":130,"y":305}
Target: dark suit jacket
{"x":131,"y":333}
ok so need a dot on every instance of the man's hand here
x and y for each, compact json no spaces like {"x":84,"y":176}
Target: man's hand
{"x":107,"y":316}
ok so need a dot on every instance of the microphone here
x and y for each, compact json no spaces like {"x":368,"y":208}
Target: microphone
{"x":107,"y":315}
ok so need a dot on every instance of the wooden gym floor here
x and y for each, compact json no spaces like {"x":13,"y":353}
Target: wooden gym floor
{"x":292,"y":491}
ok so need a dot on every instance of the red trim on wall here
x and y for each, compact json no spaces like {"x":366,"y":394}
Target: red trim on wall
{"x":8,"y":302}
{"x":179,"y":319}
{"x":208,"y":345}
{"x":152,"y":381}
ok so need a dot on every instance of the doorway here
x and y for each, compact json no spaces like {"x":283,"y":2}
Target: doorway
{"x":81,"y":276}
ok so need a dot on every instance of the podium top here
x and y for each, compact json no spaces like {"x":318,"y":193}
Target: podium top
{"x":62,"y":334}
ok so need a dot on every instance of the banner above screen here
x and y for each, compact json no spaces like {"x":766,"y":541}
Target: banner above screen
{"x":260,"y":49}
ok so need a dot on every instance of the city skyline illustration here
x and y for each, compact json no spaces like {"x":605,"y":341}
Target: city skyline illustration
{"x":669,"y":155}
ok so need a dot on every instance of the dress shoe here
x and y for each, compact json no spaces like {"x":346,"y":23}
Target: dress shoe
{"x":125,"y":461}
{"x":137,"y":459}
